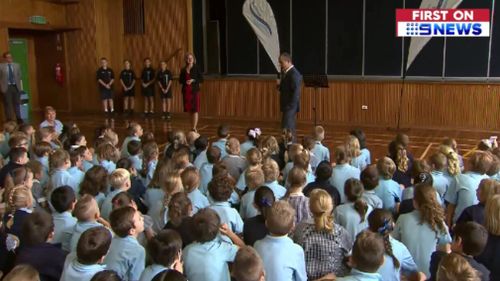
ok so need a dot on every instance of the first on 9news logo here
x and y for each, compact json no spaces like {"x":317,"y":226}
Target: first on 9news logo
{"x":443,"y":22}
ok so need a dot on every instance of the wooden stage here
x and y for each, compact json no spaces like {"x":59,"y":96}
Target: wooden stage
{"x":422,"y":142}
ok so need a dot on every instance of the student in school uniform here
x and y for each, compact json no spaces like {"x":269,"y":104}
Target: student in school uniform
{"x":365,"y":156}
{"x":370,"y":179}
{"x":254,"y":179}
{"x":441,"y":180}
{"x":253,"y":135}
{"x":135,"y":133}
{"x":127,"y":80}
{"x":353,"y":215}
{"x":191,"y":181}
{"x":320,"y":150}
{"x":326,"y":244}
{"x":398,"y":260}
{"x":207,"y":258}
{"x":164,"y":79}
{"x":255,"y":228}
{"x":92,"y":247}
{"x":354,"y":152}
{"x":63,"y":201}
{"x":148,"y":87}
{"x":235,"y":163}
{"x":60,"y":163}
{"x":463,"y":193}
{"x":120,"y":181}
{"x":388,"y":190}
{"x":342,"y":171}
{"x":105,"y":79}
{"x":469,"y":241}
{"x":88,"y":216}
{"x":165,"y":250}
{"x":271,"y":174}
{"x":126,"y":256}
{"x":490,"y":257}
{"x":179,"y":217}
{"x":220,"y":189}
{"x":213,"y":157}
{"x":487,"y":189}
{"x":223,"y":134}
{"x":36,"y":249}
{"x":424,"y":229}
{"x":283,"y":259}
{"x":367,"y":257}
{"x":323,"y":173}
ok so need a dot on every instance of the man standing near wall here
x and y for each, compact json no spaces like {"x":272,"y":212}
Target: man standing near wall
{"x":289,"y":86}
{"x":10,"y":88}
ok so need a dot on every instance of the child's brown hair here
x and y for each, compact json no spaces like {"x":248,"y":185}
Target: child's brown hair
{"x":455,"y":267}
{"x":22,"y":272}
{"x":280,"y":218}
{"x":37,"y":228}
{"x":380,"y":221}
{"x":93,"y":244}
{"x":206,"y":225}
{"x":94,"y":181}
{"x":271,"y":170}
{"x":481,"y":162}
{"x":122,"y":221}
{"x":341,"y":154}
{"x":368,"y":252}
{"x":247,"y":265}
{"x":42,"y":148}
{"x":386,"y":168}
{"x":220,"y":188}
{"x":233,"y":146}
{"x":86,"y":209}
{"x":438,"y":161}
{"x":107,"y":151}
{"x":254,"y":156}
{"x":9,"y":127}
{"x":58,"y":159}
{"x":254,"y":178}
{"x":301,"y":160}
{"x":190,"y":179}
{"x":353,"y":189}
{"x":319,"y":133}
{"x":297,"y":177}
{"x":179,"y":207}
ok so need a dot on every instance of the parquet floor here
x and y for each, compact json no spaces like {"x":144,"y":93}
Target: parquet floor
{"x":422,"y":142}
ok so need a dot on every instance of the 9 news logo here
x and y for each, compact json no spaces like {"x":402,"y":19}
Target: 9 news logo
{"x":443,"y":23}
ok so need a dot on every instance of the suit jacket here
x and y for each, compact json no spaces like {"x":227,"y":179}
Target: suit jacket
{"x":4,"y":76}
{"x":289,"y":87}
{"x":195,"y":74}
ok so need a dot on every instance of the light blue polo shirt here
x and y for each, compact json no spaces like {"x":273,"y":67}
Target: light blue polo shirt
{"x":390,"y":193}
{"x":407,"y":265}
{"x":283,"y":259}
{"x":247,"y":210}
{"x":127,"y":257}
{"x":198,"y":200}
{"x":64,"y":224}
{"x":63,"y":177}
{"x":200,"y":159}
{"x":136,"y":162}
{"x":107,"y":205}
{"x":357,"y":275}
{"x":78,"y":230}
{"x":349,"y":218}
{"x":441,"y":182}
{"x":110,"y":166}
{"x":340,"y":174}
{"x":208,"y":261}
{"x":124,"y":151}
{"x":221,"y":144}
{"x":82,"y":272}
{"x":245,"y":147}
{"x":205,"y":177}
{"x":228,"y":215}
{"x":278,"y":190}
{"x":151,"y":271}
{"x":321,"y":151}
{"x":462,"y":194}
{"x":419,"y":238}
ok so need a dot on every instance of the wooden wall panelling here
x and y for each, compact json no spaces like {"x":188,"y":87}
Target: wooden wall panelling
{"x":16,"y":11}
{"x":4,"y":39}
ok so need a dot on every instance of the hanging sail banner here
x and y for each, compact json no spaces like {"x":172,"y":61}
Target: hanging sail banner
{"x":260,"y":16}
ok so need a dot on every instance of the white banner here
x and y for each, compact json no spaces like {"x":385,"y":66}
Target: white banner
{"x":418,"y":43}
{"x":260,"y":16}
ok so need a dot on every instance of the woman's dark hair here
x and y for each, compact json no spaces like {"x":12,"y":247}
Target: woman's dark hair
{"x":264,"y":198}
{"x":360,"y":135}
{"x":380,"y":221}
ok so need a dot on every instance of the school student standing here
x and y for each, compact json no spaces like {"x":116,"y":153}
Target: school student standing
{"x":105,"y":79}
{"x":148,"y":87}
{"x":127,"y":80}
{"x":164,"y":79}
{"x":342,"y":171}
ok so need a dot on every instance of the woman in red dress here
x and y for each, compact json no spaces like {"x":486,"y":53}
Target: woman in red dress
{"x":190,"y":78}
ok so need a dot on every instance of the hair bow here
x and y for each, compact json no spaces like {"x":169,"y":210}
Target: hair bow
{"x":386,"y":227}
{"x":265,"y":202}
{"x":422,"y":177}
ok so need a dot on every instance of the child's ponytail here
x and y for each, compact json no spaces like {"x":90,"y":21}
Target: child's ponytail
{"x":380,"y":221}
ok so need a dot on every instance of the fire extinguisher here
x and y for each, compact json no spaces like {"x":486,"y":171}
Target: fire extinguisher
{"x":59,"y":74}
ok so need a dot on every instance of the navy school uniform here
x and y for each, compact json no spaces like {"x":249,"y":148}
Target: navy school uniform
{"x":147,"y":76}
{"x":47,"y":259}
{"x":164,"y":77}
{"x":105,"y":75}
{"x":127,"y":76}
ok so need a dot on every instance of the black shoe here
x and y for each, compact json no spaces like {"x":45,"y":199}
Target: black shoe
{"x":169,"y":117}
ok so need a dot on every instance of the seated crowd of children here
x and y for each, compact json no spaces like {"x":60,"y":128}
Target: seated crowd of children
{"x":265,"y":209}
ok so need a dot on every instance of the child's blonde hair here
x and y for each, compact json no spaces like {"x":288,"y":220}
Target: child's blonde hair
{"x":453,"y":160}
{"x":190,"y":179}
{"x":119,"y":177}
{"x":488,"y":188}
{"x":107,"y":151}
{"x":86,"y":208}
{"x":455,"y":267}
{"x":352,"y":146}
{"x":233,"y":146}
{"x":254,"y":178}
{"x":280,"y":218}
{"x":58,"y":159}
{"x":112,"y":137}
{"x":301,"y":160}
{"x":9,"y":127}
{"x":319,"y":133}
{"x":491,"y":217}
{"x":18,"y":197}
{"x":133,"y":128}
{"x":254,"y":157}
{"x":386,"y":167}
{"x":271,"y":170}
{"x":150,"y":152}
{"x":321,"y":206}
{"x":269,"y":146}
{"x":22,"y":272}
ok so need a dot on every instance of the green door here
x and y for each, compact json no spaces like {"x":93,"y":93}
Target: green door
{"x":18,"y":47}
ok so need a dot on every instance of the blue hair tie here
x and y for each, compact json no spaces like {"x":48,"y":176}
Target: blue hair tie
{"x":385,"y":227}
{"x":265,"y":202}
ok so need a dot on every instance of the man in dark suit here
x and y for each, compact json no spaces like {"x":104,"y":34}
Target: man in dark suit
{"x":289,"y":87}
{"x":10,"y":87}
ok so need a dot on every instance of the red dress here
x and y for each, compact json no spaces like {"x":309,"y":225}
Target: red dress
{"x":191,"y":100}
